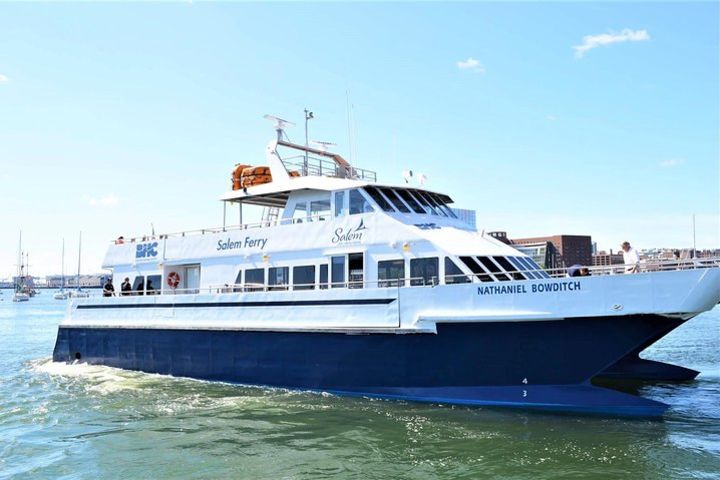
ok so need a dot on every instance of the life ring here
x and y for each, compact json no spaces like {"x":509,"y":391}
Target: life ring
{"x":173,"y":280}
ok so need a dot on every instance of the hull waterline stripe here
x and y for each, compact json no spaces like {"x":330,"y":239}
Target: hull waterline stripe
{"x":278,"y":303}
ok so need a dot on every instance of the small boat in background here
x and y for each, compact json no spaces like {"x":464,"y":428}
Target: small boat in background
{"x":21,"y":290}
{"x":62,"y":294}
{"x":79,"y":293}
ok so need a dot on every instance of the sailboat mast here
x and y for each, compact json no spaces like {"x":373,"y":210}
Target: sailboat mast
{"x":62,"y":268}
{"x":79,"y":254}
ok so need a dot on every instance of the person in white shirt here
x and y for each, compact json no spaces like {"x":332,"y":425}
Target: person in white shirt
{"x":630,"y":258}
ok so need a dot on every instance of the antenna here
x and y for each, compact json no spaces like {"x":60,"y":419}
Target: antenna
{"x":407,"y":175}
{"x":421,"y":179}
{"x":324,"y":146}
{"x":308,"y":116}
{"x":279,"y":125}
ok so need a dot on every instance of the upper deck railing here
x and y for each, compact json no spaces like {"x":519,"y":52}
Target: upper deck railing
{"x":319,"y":167}
{"x":354,"y":283}
{"x":227,"y":228}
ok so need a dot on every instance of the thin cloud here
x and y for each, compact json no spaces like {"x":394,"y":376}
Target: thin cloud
{"x":471,"y":64}
{"x":107,"y":201}
{"x":605,"y":39}
{"x":3,"y":78}
{"x":673,"y":162}
{"x":551,"y":118}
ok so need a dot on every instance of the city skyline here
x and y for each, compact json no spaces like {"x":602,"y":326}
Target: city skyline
{"x":595,"y":119}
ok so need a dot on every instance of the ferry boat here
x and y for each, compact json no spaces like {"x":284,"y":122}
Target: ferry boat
{"x":355,"y":287}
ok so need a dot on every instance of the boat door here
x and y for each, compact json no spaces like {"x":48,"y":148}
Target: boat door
{"x":192,"y":279}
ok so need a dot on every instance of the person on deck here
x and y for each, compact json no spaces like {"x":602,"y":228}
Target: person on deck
{"x":108,"y":288}
{"x":630,"y":258}
{"x":150,"y":290}
{"x":126,"y":288}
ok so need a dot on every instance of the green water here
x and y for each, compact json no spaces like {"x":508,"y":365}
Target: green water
{"x":85,"y":422}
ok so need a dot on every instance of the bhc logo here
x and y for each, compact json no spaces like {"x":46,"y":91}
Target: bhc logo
{"x":146,"y":250}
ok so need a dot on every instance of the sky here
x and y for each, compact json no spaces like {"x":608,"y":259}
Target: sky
{"x":546,"y":118}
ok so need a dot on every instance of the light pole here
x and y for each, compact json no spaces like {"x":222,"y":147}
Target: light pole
{"x":308,"y":116}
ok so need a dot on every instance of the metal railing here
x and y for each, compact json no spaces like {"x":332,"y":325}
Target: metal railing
{"x":319,"y":167}
{"x":520,"y":275}
{"x":227,"y":228}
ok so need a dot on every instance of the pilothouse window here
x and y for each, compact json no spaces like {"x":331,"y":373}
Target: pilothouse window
{"x":320,"y":209}
{"x":379,"y":199}
{"x":358,"y":204}
{"x":411,"y":201}
{"x":390,"y":194}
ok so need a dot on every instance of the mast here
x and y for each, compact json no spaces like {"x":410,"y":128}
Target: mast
{"x":79,"y":253}
{"x":19,"y":265}
{"x":62,"y":268}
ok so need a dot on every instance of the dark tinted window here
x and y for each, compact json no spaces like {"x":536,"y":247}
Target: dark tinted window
{"x":427,"y":200}
{"x":254,"y":279}
{"x":304,"y":277}
{"x":379,"y":199}
{"x":395,"y":200}
{"x":521,"y":266}
{"x":391,"y":273}
{"x":338,"y":272}
{"x":139,"y":285}
{"x":453,"y":274}
{"x":476,"y":269}
{"x":505,"y":264}
{"x":279,"y":278}
{"x":238,"y":281}
{"x":358,"y":204}
{"x":493,"y":268}
{"x":323,"y":276}
{"x":153,"y":284}
{"x":424,"y":271}
{"x":411,"y":201}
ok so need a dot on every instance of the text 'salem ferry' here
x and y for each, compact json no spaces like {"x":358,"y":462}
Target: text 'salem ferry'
{"x":357,"y":288}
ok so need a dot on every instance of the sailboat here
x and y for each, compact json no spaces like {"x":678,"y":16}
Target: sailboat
{"x":62,"y":294}
{"x":79,"y":293}
{"x":21,"y":295}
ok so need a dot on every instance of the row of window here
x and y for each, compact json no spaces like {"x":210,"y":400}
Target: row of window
{"x":405,"y":201}
{"x":391,"y":273}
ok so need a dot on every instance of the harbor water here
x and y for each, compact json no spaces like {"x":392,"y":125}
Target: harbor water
{"x":87,"y":422}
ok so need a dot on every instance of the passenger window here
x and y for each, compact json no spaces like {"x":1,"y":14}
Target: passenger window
{"x":391,"y":273}
{"x":395,"y":200}
{"x":453,"y":274}
{"x":358,"y":204}
{"x":304,"y":277}
{"x":300,"y":212}
{"x":323,"y":276}
{"x":338,"y":271}
{"x":320,"y":209}
{"x":492,"y":268}
{"x":476,"y":269}
{"x":278,"y":278}
{"x":356,"y":269}
{"x":139,"y":285}
{"x":379,"y":199}
{"x":339,"y":204}
{"x":238,"y":282}
{"x":153,"y":284}
{"x":254,"y":279}
{"x":411,"y":201}
{"x":508,"y":267}
{"x":424,"y":271}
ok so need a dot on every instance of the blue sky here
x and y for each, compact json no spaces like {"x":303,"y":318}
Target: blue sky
{"x":116,"y":116}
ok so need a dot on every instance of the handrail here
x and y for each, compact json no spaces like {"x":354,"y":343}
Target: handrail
{"x":213,"y":230}
{"x":644,"y":267}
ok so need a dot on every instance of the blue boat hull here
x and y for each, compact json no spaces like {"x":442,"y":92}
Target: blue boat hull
{"x":534,"y":364}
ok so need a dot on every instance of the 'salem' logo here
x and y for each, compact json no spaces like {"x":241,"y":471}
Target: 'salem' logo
{"x":350,"y":235}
